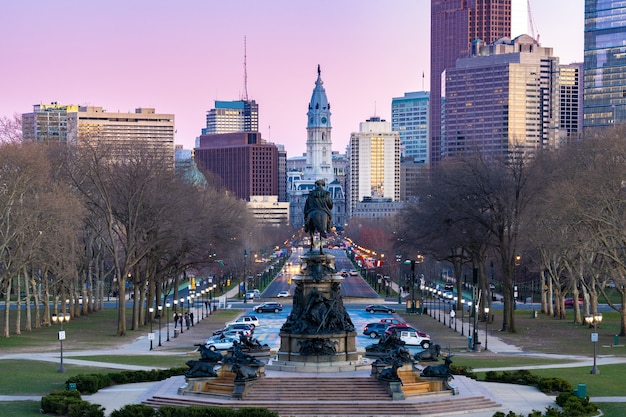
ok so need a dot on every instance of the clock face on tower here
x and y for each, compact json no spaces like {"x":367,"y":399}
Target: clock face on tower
{"x":324,"y":120}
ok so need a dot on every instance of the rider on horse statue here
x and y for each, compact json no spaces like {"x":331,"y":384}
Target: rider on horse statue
{"x":318,"y":199}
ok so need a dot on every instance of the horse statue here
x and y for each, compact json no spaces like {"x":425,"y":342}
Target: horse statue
{"x":317,"y":213}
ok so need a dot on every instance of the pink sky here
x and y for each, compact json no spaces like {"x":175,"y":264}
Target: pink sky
{"x":181,"y":56}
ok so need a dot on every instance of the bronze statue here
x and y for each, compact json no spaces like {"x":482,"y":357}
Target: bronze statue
{"x":318,"y":212}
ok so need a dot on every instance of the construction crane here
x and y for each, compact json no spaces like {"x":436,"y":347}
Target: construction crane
{"x":531,"y":24}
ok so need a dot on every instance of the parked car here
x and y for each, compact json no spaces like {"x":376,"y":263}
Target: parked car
{"x":268,"y":307}
{"x":415,"y":338}
{"x":241,"y":328}
{"x":398,"y":327}
{"x":251,"y":320}
{"x":283,"y":294}
{"x":375,"y":330}
{"x":220,"y":342}
{"x":391,"y":321}
{"x":373,"y":308}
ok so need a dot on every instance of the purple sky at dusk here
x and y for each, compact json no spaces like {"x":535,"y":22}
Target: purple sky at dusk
{"x":181,"y":56}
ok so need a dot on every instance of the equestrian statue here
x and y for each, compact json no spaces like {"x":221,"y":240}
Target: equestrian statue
{"x":318,"y":212}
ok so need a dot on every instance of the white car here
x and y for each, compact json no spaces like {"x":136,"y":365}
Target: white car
{"x":220,"y":342}
{"x":414,"y":338}
{"x":251,"y":320}
{"x":283,"y":294}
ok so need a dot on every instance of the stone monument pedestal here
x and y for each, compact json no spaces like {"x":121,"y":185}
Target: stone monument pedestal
{"x":318,"y":330}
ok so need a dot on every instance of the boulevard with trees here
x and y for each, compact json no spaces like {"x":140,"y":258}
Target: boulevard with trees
{"x":78,"y":225}
{"x":558,"y":215}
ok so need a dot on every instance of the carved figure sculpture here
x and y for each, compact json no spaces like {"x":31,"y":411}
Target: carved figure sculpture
{"x":244,"y":372}
{"x":318,"y":212}
{"x":198,"y":369}
{"x":208,"y":355}
{"x":430,"y":354}
{"x":440,"y":371}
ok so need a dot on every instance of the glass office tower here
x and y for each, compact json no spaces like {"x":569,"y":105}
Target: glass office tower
{"x":604,"y":84}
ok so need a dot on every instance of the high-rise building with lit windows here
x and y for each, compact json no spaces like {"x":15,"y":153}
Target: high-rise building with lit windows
{"x":232,"y":116}
{"x":454,"y":25}
{"x":604,"y":82}
{"x":374,"y":164}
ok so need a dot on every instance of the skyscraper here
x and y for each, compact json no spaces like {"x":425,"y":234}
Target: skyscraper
{"x":454,"y":25}
{"x":374,"y":155}
{"x":604,"y":84}
{"x":503,"y":98}
{"x":409,"y":117}
{"x":232,"y":116}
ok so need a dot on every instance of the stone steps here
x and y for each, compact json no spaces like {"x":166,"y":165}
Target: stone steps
{"x":352,"y":408}
{"x":333,"y":396}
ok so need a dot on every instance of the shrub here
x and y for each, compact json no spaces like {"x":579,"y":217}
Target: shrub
{"x":548,"y":385}
{"x":85,"y":409}
{"x":135,"y":410}
{"x":462,"y":370}
{"x":58,"y":402}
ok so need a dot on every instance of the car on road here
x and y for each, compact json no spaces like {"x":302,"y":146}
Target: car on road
{"x":373,"y":308}
{"x":252,"y":294}
{"x":268,"y":307}
{"x":569,"y":302}
{"x":251,"y":320}
{"x":344,"y":273}
{"x":283,"y":294}
{"x":354,"y":272}
{"x":220,"y":342}
{"x":375,"y":330}
{"x":240,"y":328}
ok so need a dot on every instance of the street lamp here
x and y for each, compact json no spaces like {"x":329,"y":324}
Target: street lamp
{"x":61,"y":318}
{"x":462,"y":314}
{"x":151,"y":335}
{"x":160,"y":308}
{"x":182,"y":313}
{"x":594,"y":320}
{"x":167,"y":321}
{"x":486,"y":323}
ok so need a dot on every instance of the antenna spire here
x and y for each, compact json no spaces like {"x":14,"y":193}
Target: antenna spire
{"x":245,"y":70}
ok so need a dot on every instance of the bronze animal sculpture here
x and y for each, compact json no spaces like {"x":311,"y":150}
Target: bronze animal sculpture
{"x":430,"y":354}
{"x":317,"y":213}
{"x":439,"y":371}
{"x":198,"y":369}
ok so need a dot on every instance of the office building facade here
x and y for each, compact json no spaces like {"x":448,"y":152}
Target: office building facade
{"x":604,"y":102}
{"x":504,"y":98}
{"x":454,"y":25}
{"x":247,"y":165}
{"x":409,"y":117}
{"x":374,"y":164}
{"x":232,"y":116}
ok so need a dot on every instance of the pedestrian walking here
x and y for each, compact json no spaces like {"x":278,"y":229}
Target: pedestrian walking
{"x":191,"y":317}
{"x":187,"y":319}
{"x":175,"y":320}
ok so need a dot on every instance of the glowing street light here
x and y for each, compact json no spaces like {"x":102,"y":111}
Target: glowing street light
{"x":594,"y":320}
{"x":61,"y":318}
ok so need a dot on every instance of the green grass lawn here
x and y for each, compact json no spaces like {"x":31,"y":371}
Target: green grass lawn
{"x":158,"y":361}
{"x":20,"y":409}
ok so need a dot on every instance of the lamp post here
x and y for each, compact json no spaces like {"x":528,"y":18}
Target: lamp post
{"x":182,"y":313}
{"x":594,"y":320}
{"x":462,"y":314}
{"x":439,"y":305}
{"x":399,"y":261}
{"x":486,"y":323}
{"x":469,"y":318}
{"x":61,"y":318}
{"x":160,"y":308}
{"x":151,"y":335}
{"x":453,"y":311}
{"x":167,"y":321}
{"x":245,"y":262}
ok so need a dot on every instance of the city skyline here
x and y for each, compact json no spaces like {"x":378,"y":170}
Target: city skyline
{"x":180,"y":58}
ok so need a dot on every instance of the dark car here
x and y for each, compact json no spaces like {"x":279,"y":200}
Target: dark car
{"x":240,"y":328}
{"x":375,"y":330}
{"x":268,"y":307}
{"x":373,"y":308}
{"x":569,"y":302}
